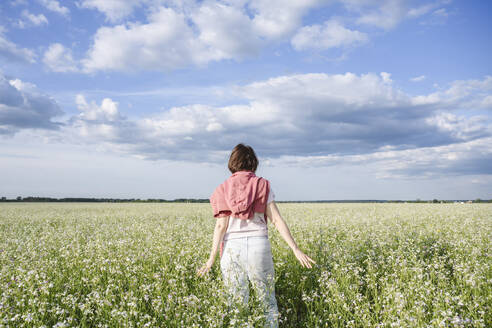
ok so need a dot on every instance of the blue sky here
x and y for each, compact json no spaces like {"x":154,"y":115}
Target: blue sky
{"x":342,"y":99}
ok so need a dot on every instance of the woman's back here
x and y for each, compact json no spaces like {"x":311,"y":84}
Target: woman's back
{"x":254,"y":226}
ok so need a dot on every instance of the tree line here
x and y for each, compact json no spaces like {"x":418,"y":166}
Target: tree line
{"x":204,"y":200}
{"x":102,"y":200}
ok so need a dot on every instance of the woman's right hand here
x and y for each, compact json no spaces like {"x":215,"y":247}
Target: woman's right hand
{"x":205,"y":268}
{"x":303,"y":258}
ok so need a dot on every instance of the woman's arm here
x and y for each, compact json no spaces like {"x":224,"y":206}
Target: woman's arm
{"x":279,"y":223}
{"x":219,"y":232}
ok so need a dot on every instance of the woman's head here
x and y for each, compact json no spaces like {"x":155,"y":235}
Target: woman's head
{"x":243,"y":158}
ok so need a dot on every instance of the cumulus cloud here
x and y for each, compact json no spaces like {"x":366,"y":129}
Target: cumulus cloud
{"x":23,"y":107}
{"x":303,"y":119}
{"x":59,"y":59}
{"x":174,"y":37}
{"x":441,"y":12}
{"x":28,"y":20}
{"x":177,"y":34}
{"x":106,"y":112}
{"x":194,"y":33}
{"x":165,"y":42}
{"x":54,"y":5}
{"x":331,"y":34}
{"x":461,"y":127}
{"x":272,"y":19}
{"x":461,"y":94}
{"x":486,"y":102}
{"x":467,"y":158}
{"x":115,"y":10}
{"x":303,"y":115}
{"x":226,"y":31}
{"x":418,"y":78}
{"x":387,"y":14}
{"x":13,"y":53}
{"x":422,"y":10}
{"x":278,"y":19}
{"x":99,"y":123}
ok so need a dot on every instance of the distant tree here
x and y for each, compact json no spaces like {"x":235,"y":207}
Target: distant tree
{"x":435,"y":201}
{"x":19,"y":198}
{"x":478,"y":200}
{"x":4,"y":199}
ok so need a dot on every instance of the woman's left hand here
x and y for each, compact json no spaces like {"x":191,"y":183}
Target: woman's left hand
{"x":303,"y":258}
{"x":206,"y":268}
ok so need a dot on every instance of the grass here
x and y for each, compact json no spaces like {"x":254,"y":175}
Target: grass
{"x":133,"y":265}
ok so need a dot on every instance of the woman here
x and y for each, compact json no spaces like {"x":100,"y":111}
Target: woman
{"x":242,"y":205}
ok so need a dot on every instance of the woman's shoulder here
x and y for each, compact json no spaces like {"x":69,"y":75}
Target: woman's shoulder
{"x":271,"y":194}
{"x":266,"y":182}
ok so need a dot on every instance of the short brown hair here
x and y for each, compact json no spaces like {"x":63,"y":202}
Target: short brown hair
{"x":243,"y":158}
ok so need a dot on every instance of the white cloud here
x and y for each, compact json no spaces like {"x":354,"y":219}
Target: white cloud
{"x":462,"y":88}
{"x":11,"y":52}
{"x":107,"y":111}
{"x":271,"y":19}
{"x":179,"y":121}
{"x":386,"y":15}
{"x":302,"y":115}
{"x":329,"y":35}
{"x":190,"y":34}
{"x":487,"y":102}
{"x":22,"y":106}
{"x":327,"y":93}
{"x":226,"y":31}
{"x":29,"y":20}
{"x":55,"y":6}
{"x":461,"y":94}
{"x":214,"y":126}
{"x":303,"y":119}
{"x":115,"y":10}
{"x":422,"y":10}
{"x":441,"y":12}
{"x":177,"y":34}
{"x":59,"y":59}
{"x":23,"y":86}
{"x":386,"y":77}
{"x":165,"y":42}
{"x":100,"y":123}
{"x":461,"y":127}
{"x":418,"y":78}
{"x":467,"y":158}
{"x":278,"y":19}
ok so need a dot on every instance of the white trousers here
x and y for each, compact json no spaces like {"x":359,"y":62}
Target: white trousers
{"x":250,"y":258}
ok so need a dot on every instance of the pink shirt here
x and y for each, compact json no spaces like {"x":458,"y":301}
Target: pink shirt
{"x":240,"y":196}
{"x":254,"y":226}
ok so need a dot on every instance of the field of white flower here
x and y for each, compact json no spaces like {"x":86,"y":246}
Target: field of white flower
{"x":134,"y":265}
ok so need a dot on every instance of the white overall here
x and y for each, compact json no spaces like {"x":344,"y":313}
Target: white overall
{"x":247,"y":255}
